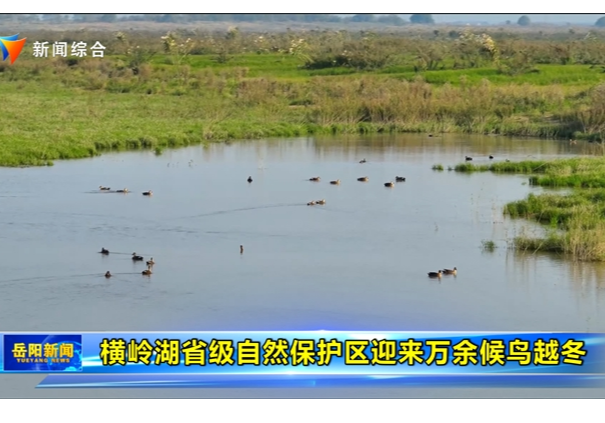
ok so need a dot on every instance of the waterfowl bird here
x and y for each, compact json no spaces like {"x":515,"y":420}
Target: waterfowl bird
{"x":125,"y":190}
{"x":241,"y":249}
{"x":507,"y":161}
{"x":491,"y":157}
{"x":104,"y":251}
{"x":146,"y":272}
{"x":311,"y":203}
{"x":435,"y":274}
{"x":450,"y":271}
{"x":321,"y":201}
{"x":150,"y":262}
{"x":336,"y":182}
{"x":389,"y":184}
{"x":315,"y":179}
{"x":102,"y":188}
{"x":108,"y":275}
{"x":363,"y":179}
{"x":363,"y":161}
{"x":149,"y":193}
{"x":399,"y":179}
{"x":136,"y":258}
{"x":249,"y":179}
{"x":467,"y":158}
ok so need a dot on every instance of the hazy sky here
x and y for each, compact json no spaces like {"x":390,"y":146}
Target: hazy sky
{"x":580,"y":18}
{"x":494,"y":18}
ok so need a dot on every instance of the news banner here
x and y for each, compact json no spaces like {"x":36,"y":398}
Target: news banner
{"x":306,"y":359}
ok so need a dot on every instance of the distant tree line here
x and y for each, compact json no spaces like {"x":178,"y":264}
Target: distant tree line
{"x":392,"y":19}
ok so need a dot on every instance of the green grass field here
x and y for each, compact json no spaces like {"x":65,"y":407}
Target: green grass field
{"x":288,"y":67}
{"x":65,"y":108}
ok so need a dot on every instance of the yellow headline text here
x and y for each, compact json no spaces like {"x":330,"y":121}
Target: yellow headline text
{"x":323,"y":352}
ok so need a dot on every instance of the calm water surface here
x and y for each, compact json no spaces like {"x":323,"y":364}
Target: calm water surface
{"x":359,"y":262}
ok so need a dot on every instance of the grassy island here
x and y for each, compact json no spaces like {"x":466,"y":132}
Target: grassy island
{"x":575,"y":220}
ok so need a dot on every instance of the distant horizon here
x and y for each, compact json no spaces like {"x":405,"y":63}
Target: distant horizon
{"x":489,"y":19}
{"x":497,"y":18}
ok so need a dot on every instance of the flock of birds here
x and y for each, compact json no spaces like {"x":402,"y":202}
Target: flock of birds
{"x":135,"y":258}
{"x":390,"y":184}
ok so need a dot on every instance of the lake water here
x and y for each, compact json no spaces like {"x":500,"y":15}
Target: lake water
{"x":359,"y":262}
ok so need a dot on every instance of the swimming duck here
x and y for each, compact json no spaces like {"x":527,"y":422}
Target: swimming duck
{"x":362,"y":161}
{"x":389,"y":184}
{"x":450,"y":271}
{"x":146,"y":272}
{"x":491,"y":157}
{"x":315,"y":179}
{"x":336,"y":182}
{"x":125,"y":190}
{"x":136,"y":258}
{"x":435,"y":274}
{"x":149,"y":193}
{"x":108,"y":275}
{"x":467,"y":158}
{"x":241,"y":249}
{"x":363,"y":179}
{"x":104,"y":251}
{"x":102,"y":188}
{"x":311,"y":203}
{"x":249,"y":178}
{"x":399,"y":179}
{"x":150,"y":262}
{"x":321,"y":201}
